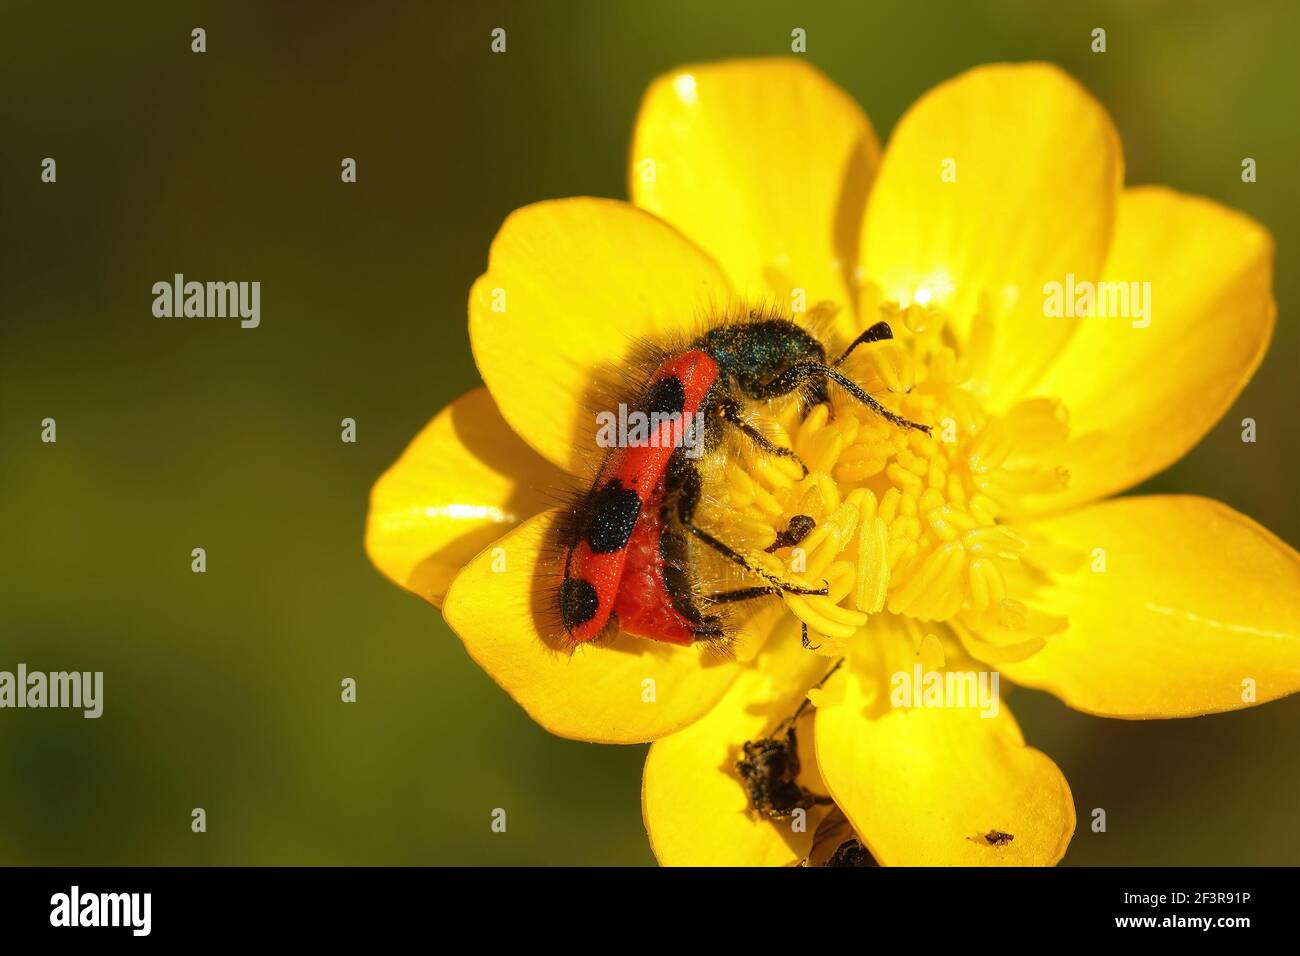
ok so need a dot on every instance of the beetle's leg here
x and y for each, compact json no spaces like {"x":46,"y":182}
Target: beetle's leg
{"x":684,"y":481}
{"x":801,"y":372}
{"x":803,"y":636}
{"x":731,"y":412}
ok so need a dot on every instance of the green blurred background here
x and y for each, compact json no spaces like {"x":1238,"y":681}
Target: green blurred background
{"x":222,"y":689}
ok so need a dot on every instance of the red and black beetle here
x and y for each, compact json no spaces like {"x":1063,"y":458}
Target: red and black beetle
{"x":626,"y":543}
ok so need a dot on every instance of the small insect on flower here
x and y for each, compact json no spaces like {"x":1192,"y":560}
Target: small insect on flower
{"x":850,"y":853}
{"x":626,"y":541}
{"x":769,"y":769}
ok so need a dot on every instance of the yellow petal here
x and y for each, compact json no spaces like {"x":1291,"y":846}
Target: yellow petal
{"x":925,"y":786}
{"x":1036,"y":169}
{"x":696,"y":808}
{"x":1141,"y":391}
{"x":571,"y":286}
{"x":1197,"y":608}
{"x":631,"y":691}
{"x":463,"y":481}
{"x":765,"y":164}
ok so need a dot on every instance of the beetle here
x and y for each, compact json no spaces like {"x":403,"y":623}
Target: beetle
{"x":626,"y":540}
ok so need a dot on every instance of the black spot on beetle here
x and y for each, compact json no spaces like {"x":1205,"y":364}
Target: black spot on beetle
{"x":578,"y":602}
{"x":613,"y":514}
{"x":666,"y":397}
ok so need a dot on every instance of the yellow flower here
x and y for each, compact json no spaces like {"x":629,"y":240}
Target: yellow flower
{"x":984,"y":545}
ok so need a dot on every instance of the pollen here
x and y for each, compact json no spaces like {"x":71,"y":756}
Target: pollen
{"x":906,"y":523}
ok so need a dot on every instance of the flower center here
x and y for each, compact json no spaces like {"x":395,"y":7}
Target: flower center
{"x":907,"y":523}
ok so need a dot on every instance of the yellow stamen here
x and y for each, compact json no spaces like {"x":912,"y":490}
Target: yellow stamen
{"x":906,"y":522}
